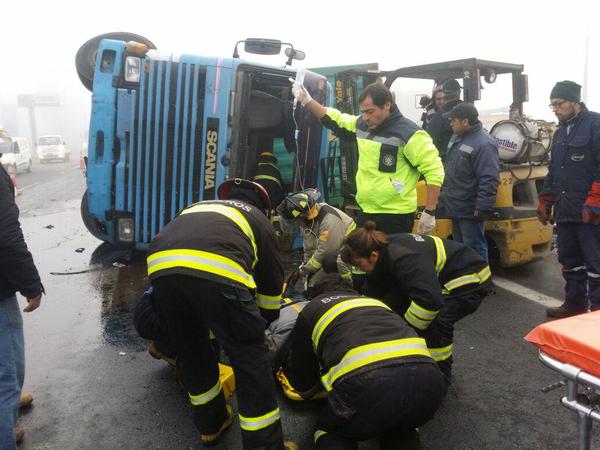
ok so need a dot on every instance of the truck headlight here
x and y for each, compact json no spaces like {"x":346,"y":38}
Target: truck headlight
{"x":133,"y":69}
{"x":125,"y":229}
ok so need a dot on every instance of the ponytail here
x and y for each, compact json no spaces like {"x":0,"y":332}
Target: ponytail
{"x":363,"y":241}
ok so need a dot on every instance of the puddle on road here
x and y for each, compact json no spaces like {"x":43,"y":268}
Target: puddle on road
{"x":120,"y":282}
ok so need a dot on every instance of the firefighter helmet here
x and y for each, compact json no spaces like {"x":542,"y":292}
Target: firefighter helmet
{"x":235,"y":188}
{"x":298,"y":204}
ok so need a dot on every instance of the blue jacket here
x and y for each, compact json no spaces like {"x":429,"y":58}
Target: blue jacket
{"x":472,"y":169}
{"x":439,"y":128}
{"x":574,"y":164}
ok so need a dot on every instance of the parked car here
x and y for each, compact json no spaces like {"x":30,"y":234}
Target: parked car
{"x":20,"y":158}
{"x":52,"y":147}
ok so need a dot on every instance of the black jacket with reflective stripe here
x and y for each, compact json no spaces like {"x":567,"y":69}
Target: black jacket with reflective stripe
{"x":216,"y":234}
{"x":268,"y":175}
{"x":406,"y":271}
{"x":352,"y":328}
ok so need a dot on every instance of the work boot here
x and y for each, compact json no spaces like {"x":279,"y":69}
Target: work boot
{"x":562,"y":311}
{"x":289,"y":445}
{"x":19,"y":434}
{"x":159,"y":351}
{"x":208,"y":440}
{"x":25,"y":400}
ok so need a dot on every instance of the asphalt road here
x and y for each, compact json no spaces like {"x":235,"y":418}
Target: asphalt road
{"x":96,"y":387}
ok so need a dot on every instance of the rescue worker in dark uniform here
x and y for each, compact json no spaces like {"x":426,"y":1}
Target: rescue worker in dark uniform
{"x":217,"y":265}
{"x":267,"y":174}
{"x":431,"y":282}
{"x":439,"y":127}
{"x":380,"y":377}
{"x":572,"y":187}
{"x":323,"y":229}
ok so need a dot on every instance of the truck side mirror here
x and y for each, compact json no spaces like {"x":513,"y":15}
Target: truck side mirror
{"x":262,"y":46}
{"x":295,"y":54}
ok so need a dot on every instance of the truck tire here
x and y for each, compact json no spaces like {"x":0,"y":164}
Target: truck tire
{"x":92,"y":226}
{"x":85,"y":59}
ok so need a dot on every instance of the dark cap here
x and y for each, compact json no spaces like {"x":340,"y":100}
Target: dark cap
{"x":567,"y":90}
{"x":451,"y":87}
{"x":463,"y":111}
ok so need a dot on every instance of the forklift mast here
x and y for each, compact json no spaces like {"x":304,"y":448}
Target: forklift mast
{"x":471,"y":71}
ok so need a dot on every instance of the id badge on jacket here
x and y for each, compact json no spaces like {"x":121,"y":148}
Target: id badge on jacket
{"x":388,"y":158}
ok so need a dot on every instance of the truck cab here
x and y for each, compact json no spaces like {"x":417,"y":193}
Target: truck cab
{"x":167,"y":129}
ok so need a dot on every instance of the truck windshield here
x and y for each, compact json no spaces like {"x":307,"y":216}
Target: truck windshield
{"x":50,"y":140}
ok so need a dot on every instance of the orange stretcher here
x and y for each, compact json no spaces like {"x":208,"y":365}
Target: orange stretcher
{"x":572,"y":347}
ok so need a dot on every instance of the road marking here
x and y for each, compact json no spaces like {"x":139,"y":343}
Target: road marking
{"x":24,"y":188}
{"x":528,"y":294}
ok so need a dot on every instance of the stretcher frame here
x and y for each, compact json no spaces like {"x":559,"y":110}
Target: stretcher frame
{"x":576,"y":377}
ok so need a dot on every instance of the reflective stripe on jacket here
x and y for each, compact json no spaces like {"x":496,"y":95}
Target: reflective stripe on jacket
{"x":324,"y":235}
{"x":414,"y":273}
{"x":399,"y":142}
{"x":338,"y":335}
{"x":267,"y":174}
{"x":226,"y":241}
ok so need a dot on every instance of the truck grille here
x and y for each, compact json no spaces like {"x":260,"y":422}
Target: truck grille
{"x":164,"y":145}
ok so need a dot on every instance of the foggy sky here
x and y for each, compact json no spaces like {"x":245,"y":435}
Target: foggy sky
{"x":40,"y":39}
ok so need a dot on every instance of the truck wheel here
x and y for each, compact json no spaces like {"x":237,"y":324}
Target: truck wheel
{"x":91,"y":224}
{"x":29,"y":167}
{"x":85,"y":59}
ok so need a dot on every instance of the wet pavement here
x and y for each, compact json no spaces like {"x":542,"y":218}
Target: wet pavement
{"x":96,"y":387}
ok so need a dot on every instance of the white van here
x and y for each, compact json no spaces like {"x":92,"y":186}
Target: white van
{"x":20,"y":158}
{"x":51,"y":147}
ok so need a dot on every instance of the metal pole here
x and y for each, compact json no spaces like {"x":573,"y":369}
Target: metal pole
{"x":31,"y":111}
{"x":584,"y":423}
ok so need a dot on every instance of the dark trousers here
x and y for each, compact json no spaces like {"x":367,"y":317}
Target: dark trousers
{"x":579,"y":255}
{"x":440,"y":333}
{"x":147,"y":320}
{"x":470,"y":232}
{"x":190,"y":306}
{"x":387,"y":402}
{"x":389,"y":223}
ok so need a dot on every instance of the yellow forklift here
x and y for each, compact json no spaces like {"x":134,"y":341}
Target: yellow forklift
{"x":515,"y":236}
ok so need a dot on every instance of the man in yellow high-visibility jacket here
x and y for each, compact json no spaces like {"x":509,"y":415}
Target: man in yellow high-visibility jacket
{"x":393,"y":153}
